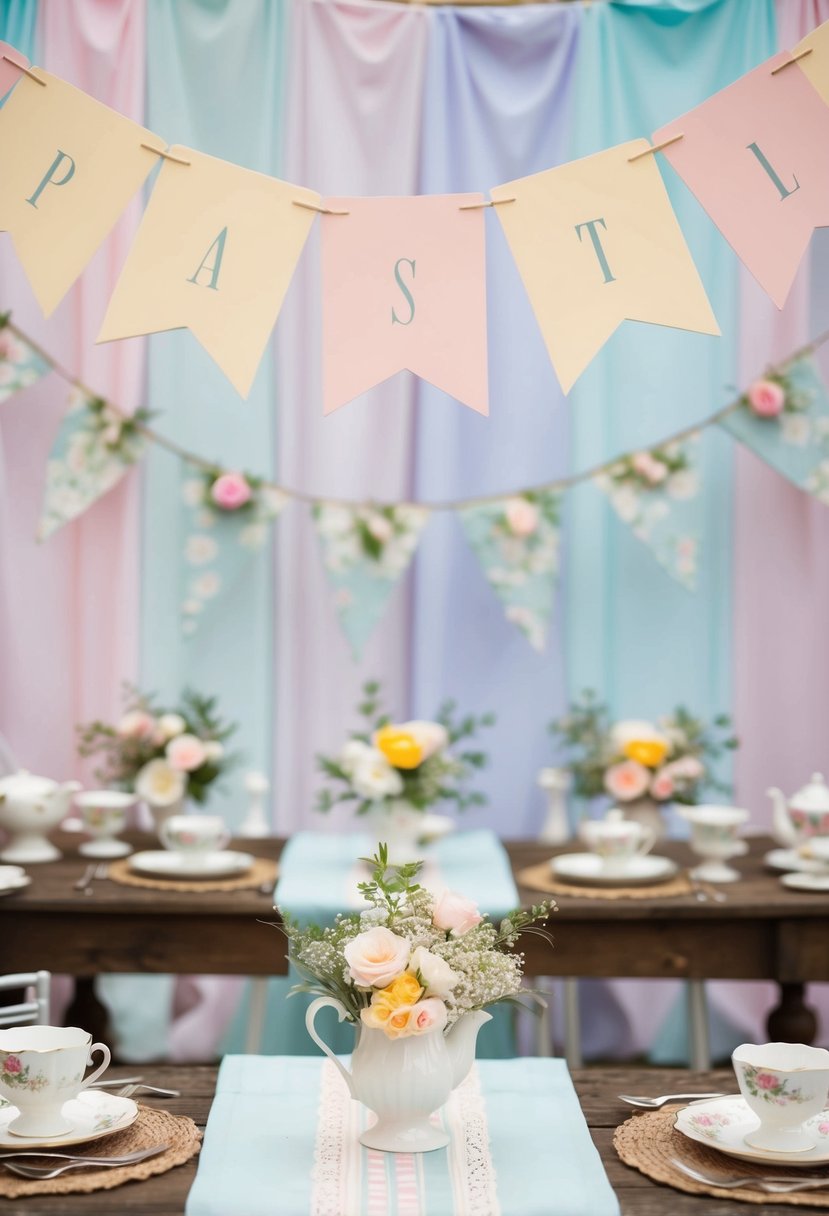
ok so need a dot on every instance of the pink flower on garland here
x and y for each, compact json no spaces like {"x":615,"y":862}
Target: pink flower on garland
{"x":231,"y":491}
{"x":766,"y":398}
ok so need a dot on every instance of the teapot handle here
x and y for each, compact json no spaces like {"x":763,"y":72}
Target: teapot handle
{"x":311,"y":1013}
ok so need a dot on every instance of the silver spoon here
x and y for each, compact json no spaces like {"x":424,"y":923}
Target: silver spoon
{"x":655,"y":1103}
{"x":772,"y":1183}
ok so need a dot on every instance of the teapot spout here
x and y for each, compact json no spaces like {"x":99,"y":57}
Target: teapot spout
{"x":461,"y":1040}
{"x":782,"y":828}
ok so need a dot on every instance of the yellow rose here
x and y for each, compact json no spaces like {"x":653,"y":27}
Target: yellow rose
{"x":400,"y":748}
{"x":650,"y":752}
{"x":401,"y":1023}
{"x":405,"y":990}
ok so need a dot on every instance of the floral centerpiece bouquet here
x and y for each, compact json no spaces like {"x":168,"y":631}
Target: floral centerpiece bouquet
{"x":411,"y":968}
{"x":162,"y":755}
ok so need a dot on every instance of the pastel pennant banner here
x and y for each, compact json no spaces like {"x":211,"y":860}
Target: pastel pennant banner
{"x":753,"y":154}
{"x":516,"y":540}
{"x":227,"y":519}
{"x":9,"y":74}
{"x":215,"y":253}
{"x":404,"y":286}
{"x":597,"y":243}
{"x":70,"y":166}
{"x":365,"y":551}
{"x":784,"y":419}
{"x":20,"y":364}
{"x":93,"y":449}
{"x":815,"y":65}
{"x":658,"y":494}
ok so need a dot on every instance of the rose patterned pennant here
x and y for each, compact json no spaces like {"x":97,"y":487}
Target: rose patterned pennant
{"x":516,"y":540}
{"x":93,"y":449}
{"x":657,"y":494}
{"x":784,"y":419}
{"x":365,"y":550}
{"x":20,"y":364}
{"x":227,"y":519}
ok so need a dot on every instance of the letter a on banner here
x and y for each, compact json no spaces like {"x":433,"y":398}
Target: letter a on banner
{"x":215,"y":253}
{"x":69,"y":167}
{"x":597,"y":243}
{"x":754,"y":154}
{"x":404,"y":286}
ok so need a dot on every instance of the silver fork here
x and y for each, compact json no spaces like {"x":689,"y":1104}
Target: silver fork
{"x":40,"y":1173}
{"x":85,"y":879}
{"x":26,"y":1155}
{"x":101,"y":871}
{"x":772,"y":1183}
{"x":128,"y":1090}
{"x":655,"y":1103}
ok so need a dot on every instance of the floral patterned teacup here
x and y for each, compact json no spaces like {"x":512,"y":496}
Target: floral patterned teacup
{"x":41,"y":1068}
{"x":104,"y":815}
{"x":784,"y":1084}
{"x":618,"y":841}
{"x":194,"y":836}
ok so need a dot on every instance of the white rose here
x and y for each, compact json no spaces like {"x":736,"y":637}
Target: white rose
{"x":438,"y":977}
{"x":431,"y":736}
{"x":352,"y":753}
{"x":376,"y":957}
{"x":171,"y":725}
{"x":455,"y":914}
{"x":373,"y":776}
{"x":633,"y":728}
{"x":159,"y":784}
{"x":214,"y":751}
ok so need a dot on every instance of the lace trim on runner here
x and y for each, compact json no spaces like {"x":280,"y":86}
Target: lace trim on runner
{"x":472,"y":1167}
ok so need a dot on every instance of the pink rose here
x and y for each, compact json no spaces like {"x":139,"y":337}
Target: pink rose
{"x":704,"y":1121}
{"x":766,"y":1080}
{"x":137,"y":724}
{"x":455,"y":914}
{"x":429,"y":1014}
{"x":186,"y":753}
{"x":686,"y":768}
{"x":231,"y":491}
{"x":521,"y":516}
{"x":627,"y":781}
{"x":376,"y":957}
{"x":766,"y":398}
{"x":662,"y":786}
{"x":13,"y":1064}
{"x":649,"y":467}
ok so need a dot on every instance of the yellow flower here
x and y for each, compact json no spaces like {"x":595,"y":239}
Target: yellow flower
{"x":401,"y":1022}
{"x":650,"y":752}
{"x":399,"y":995}
{"x":400,"y":748}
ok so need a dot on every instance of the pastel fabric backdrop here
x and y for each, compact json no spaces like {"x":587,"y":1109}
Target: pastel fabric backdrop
{"x":352,"y":97}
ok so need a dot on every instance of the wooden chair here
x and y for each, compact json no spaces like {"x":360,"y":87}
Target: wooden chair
{"x":30,"y":1012}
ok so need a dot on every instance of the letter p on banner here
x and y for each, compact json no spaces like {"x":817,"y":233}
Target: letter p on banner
{"x":70,"y":166}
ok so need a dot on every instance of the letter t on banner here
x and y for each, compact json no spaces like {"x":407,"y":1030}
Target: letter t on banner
{"x":404,"y":286}
{"x":754,"y":154}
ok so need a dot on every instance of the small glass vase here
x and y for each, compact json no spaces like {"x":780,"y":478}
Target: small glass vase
{"x":399,"y":825}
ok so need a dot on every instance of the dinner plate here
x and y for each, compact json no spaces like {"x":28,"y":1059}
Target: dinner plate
{"x":791,"y":860}
{"x":163,"y":863}
{"x":587,"y":870}
{"x":93,"y":1114}
{"x":806,"y":882}
{"x":722,"y":1123}
{"x":13,"y":878}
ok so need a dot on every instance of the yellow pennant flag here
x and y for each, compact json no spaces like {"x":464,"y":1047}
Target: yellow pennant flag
{"x":597,"y":242}
{"x":68,"y":168}
{"x":214,"y":254}
{"x":815,"y":65}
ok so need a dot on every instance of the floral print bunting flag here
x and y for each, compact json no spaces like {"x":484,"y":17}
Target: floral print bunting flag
{"x":227,"y":519}
{"x":20,"y":364}
{"x":93,"y":449}
{"x":784,"y":419}
{"x":365,"y":550}
{"x":657,"y":494}
{"x":516,"y":540}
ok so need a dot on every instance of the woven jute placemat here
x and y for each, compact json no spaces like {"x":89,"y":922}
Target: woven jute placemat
{"x":151,"y":1127}
{"x":648,"y":1142}
{"x":541,"y":878}
{"x":263,"y":870}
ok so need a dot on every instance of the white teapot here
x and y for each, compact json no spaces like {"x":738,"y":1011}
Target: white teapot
{"x":806,"y":813}
{"x":29,"y":808}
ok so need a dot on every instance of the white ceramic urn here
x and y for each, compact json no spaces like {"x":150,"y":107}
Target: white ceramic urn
{"x":29,"y":808}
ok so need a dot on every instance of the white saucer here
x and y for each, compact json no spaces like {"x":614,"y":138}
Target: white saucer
{"x":13,"y":878}
{"x":107,"y":848}
{"x":434,"y":827}
{"x":587,"y":870}
{"x":93,"y":1114}
{"x":806,"y":882}
{"x":789,"y":860}
{"x":165,"y":864}
{"x":722,"y":1123}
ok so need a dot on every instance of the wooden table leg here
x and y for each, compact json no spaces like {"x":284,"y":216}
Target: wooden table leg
{"x":792,"y":1020}
{"x":87,"y":1011}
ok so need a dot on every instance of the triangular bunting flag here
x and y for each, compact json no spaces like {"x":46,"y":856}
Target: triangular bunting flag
{"x":657,"y":493}
{"x":516,"y":540}
{"x":815,"y":65}
{"x":227,"y":518}
{"x":784,"y":419}
{"x":215,"y":253}
{"x":597,"y":243}
{"x":365,"y":551}
{"x":404,"y":286}
{"x":20,"y":365}
{"x":70,"y":166}
{"x":93,"y":449}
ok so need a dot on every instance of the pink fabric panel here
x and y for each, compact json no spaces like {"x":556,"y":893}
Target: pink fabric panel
{"x":68,"y":608}
{"x":353,"y":113}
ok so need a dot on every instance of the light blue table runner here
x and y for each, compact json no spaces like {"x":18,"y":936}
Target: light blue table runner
{"x":258,"y":1152}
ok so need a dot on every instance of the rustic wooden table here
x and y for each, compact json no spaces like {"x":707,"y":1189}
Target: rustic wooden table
{"x":597,"y":1090}
{"x":761,"y":931}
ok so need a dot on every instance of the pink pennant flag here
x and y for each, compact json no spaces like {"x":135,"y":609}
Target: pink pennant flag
{"x":404,"y":286}
{"x":9,"y":74}
{"x":755,"y":157}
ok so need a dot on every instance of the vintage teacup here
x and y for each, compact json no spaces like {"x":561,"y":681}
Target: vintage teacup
{"x":784,"y":1084}
{"x":618,"y":841}
{"x":194,"y":836}
{"x":715,"y":836}
{"x":41,"y":1068}
{"x":104,"y":815}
